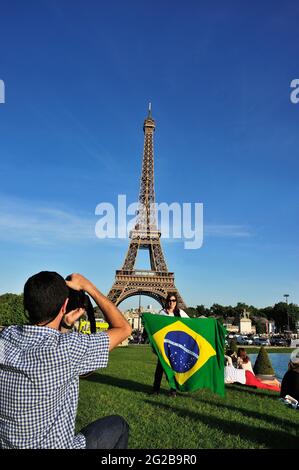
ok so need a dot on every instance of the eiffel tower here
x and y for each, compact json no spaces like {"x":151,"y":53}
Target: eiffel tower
{"x":156,"y":282}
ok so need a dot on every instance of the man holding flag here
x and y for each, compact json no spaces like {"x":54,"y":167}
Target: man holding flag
{"x":190,"y":350}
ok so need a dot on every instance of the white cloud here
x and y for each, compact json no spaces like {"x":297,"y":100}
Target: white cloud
{"x":25,"y":222}
{"x":232,"y":231}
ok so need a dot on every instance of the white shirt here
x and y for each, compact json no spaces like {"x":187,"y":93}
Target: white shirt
{"x":245,"y":365}
{"x":171,"y":314}
{"x":231,"y":375}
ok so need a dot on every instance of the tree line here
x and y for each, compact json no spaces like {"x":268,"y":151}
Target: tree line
{"x":12,"y":313}
{"x":281,"y":313}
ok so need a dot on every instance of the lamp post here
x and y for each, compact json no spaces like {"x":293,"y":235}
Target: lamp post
{"x":286,"y":297}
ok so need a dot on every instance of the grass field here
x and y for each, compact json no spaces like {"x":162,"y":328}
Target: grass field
{"x":246,"y":418}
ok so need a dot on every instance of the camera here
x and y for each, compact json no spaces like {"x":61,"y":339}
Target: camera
{"x":79,"y":299}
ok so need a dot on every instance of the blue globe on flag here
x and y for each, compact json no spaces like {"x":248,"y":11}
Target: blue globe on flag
{"x":182,"y":350}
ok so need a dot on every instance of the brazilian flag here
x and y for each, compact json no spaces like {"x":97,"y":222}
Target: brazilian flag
{"x":191,"y":350}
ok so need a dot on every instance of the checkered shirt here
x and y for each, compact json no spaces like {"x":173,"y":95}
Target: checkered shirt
{"x":39,"y":385}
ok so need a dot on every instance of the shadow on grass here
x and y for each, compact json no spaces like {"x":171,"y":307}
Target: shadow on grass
{"x":276,"y":421}
{"x":254,"y":391}
{"x":127,"y":384}
{"x":268,"y":437}
{"x":145,"y":388}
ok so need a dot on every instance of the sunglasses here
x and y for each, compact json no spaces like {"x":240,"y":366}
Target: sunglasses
{"x":172,"y":300}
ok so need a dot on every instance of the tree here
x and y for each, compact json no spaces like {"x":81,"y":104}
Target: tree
{"x":293,"y":311}
{"x":218,"y":310}
{"x":265,"y":312}
{"x":202,"y":310}
{"x":12,"y":310}
{"x":253,"y":310}
{"x":263,"y":364}
{"x":280,"y":315}
{"x":191,"y":311}
{"x":260,"y":327}
{"x":198,"y":311}
{"x":230,"y":312}
{"x":233,"y":345}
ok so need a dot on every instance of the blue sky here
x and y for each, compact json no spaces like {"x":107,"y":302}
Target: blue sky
{"x":78,"y":78}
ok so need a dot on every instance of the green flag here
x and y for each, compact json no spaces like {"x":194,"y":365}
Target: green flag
{"x":191,"y":350}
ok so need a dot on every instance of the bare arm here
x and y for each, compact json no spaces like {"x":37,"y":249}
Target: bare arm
{"x":120,"y":328}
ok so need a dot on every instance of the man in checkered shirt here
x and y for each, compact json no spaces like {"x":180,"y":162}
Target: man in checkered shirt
{"x":40,"y":367}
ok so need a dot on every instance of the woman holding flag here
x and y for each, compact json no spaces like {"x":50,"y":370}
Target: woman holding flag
{"x":171,"y":309}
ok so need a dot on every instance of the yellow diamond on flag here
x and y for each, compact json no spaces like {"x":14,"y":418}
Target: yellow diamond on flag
{"x":205,"y":349}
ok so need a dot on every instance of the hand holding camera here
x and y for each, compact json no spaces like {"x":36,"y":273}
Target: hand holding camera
{"x":79,"y":303}
{"x":78,"y":287}
{"x":79,"y":283}
{"x":71,"y":317}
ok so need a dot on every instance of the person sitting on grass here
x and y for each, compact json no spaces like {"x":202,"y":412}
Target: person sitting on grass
{"x":40,"y":368}
{"x":290,"y":381}
{"x":245,"y":377}
{"x":233,"y":355}
{"x":243,"y":361}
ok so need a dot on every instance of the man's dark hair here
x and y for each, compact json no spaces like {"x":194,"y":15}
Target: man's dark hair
{"x":44,"y":295}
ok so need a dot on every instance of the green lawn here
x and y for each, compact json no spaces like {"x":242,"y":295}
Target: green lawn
{"x":246,"y":418}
